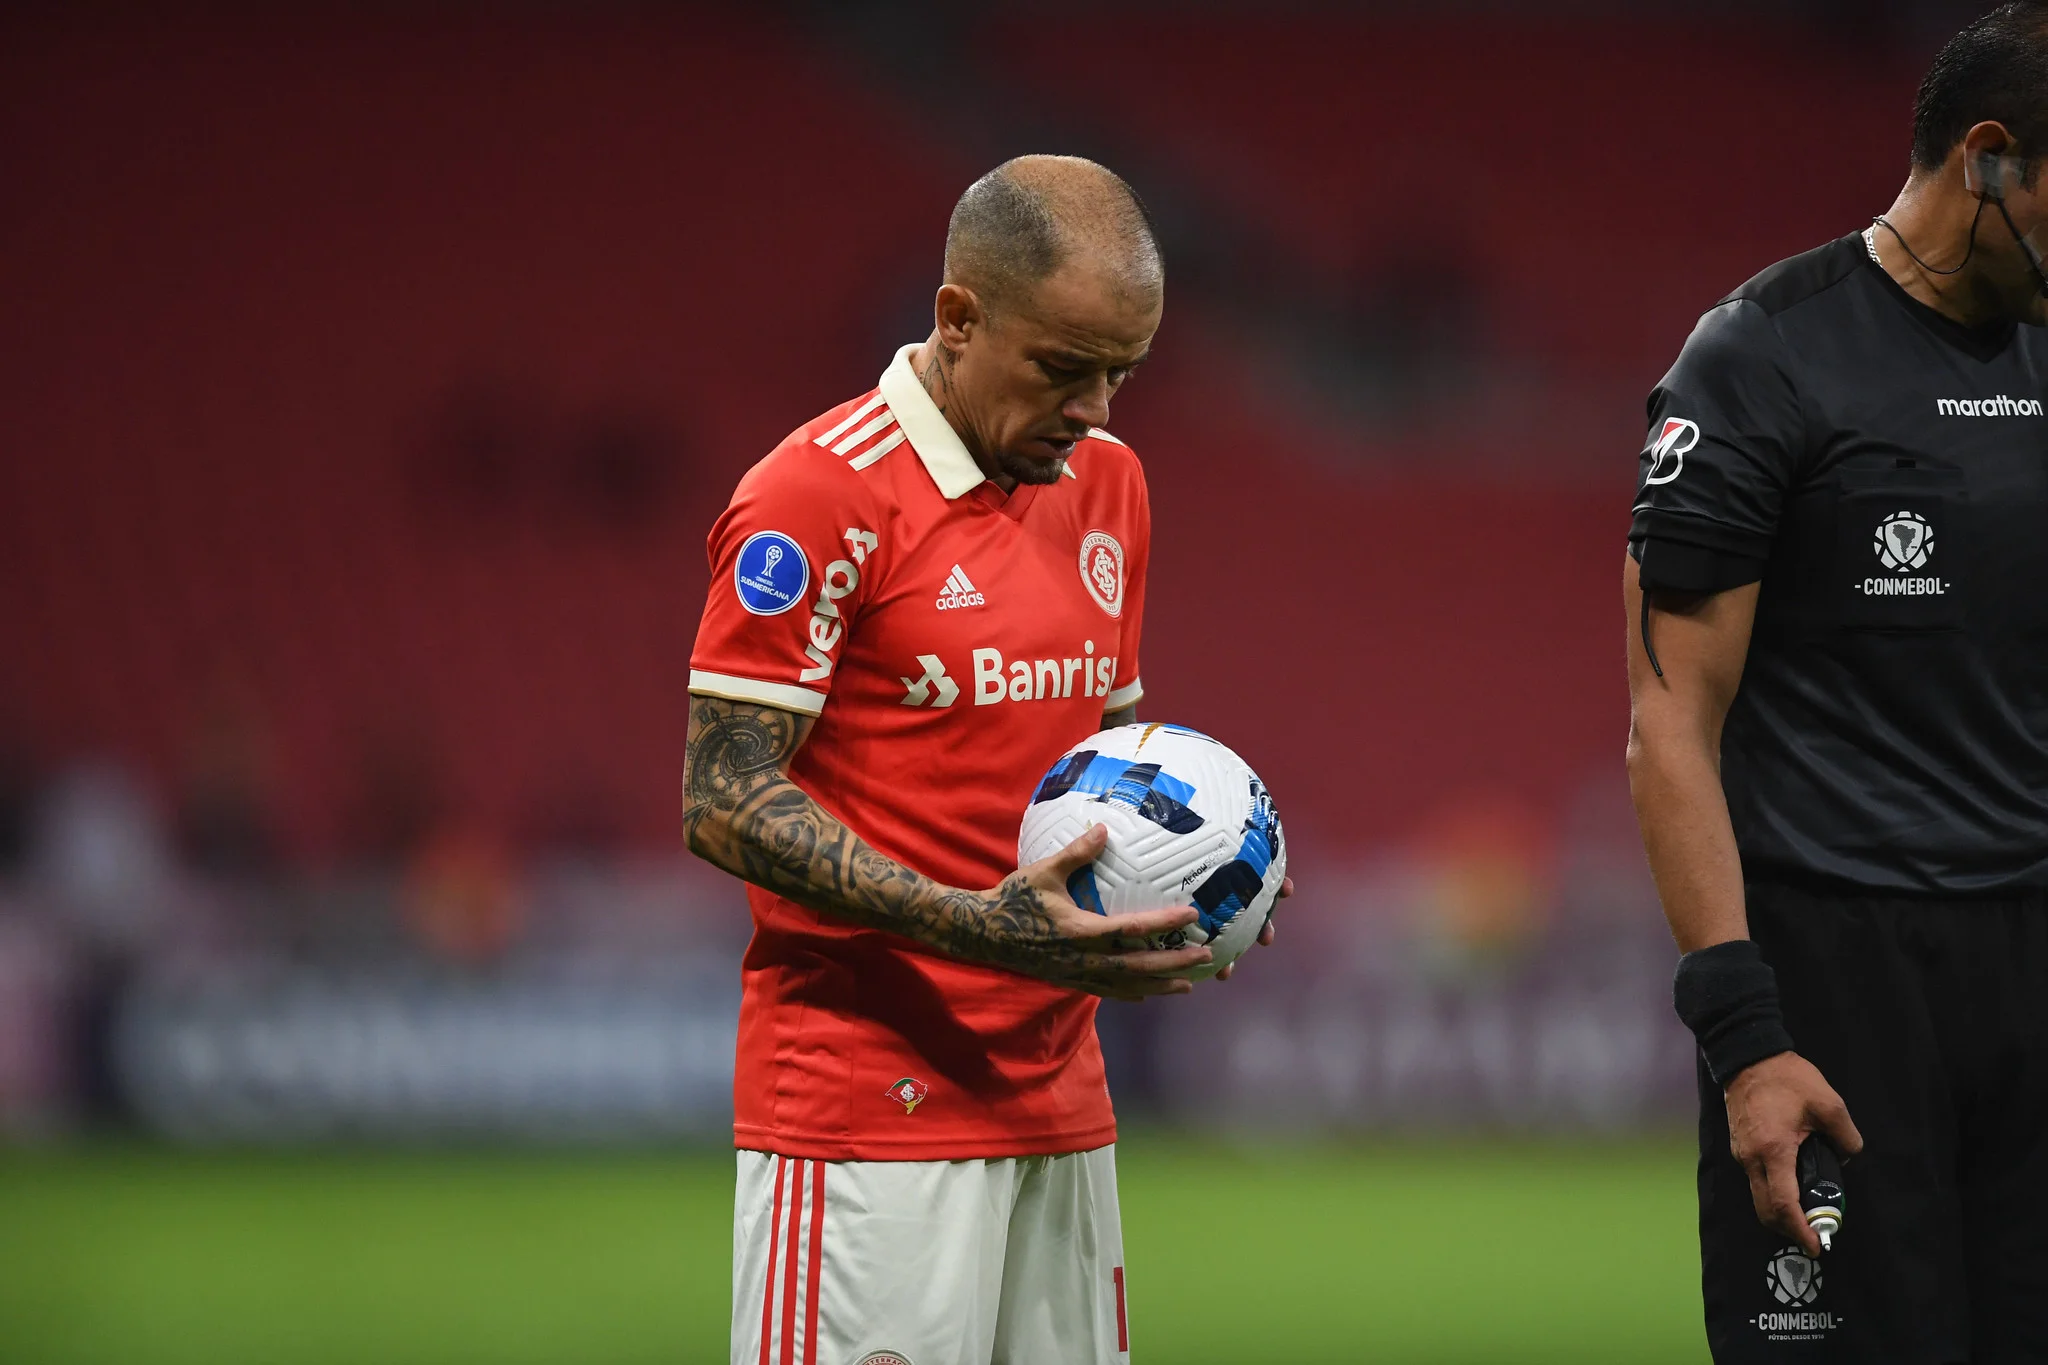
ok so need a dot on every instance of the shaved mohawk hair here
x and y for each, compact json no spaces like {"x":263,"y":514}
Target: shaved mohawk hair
{"x":1026,"y":218}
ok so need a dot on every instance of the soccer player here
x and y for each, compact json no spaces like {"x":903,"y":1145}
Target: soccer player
{"x":1837,"y":597}
{"x":919,"y":600}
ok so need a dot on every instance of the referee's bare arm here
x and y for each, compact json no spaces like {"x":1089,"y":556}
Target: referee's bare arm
{"x":1674,"y":773}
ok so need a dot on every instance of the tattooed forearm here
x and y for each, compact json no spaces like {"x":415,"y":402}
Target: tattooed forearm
{"x":742,"y":812}
{"x":1127,"y":716}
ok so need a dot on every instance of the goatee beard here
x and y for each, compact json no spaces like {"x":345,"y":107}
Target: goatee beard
{"x":1027,"y":469}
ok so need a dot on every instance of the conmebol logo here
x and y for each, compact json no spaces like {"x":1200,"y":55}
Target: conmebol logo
{"x":1998,"y":405}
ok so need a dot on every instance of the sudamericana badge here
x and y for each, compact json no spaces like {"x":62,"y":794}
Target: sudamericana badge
{"x":770,"y":574}
{"x":908,"y":1092}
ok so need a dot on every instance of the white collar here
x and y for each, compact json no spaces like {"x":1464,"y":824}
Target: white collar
{"x":930,"y":434}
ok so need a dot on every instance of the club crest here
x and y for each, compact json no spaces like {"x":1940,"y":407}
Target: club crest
{"x":908,"y":1092}
{"x":1102,"y":570}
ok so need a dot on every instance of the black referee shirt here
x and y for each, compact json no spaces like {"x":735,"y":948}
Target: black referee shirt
{"x":1884,"y":471}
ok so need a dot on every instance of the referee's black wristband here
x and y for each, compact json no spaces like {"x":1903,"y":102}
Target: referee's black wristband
{"x":1728,"y":996}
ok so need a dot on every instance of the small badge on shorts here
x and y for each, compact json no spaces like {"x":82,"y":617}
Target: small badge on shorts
{"x":770,"y":574}
{"x":883,"y":1358}
{"x":1793,"y":1278}
{"x":908,"y":1092}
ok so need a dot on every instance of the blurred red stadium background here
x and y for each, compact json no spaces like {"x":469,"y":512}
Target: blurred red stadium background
{"x":371,"y":378}
{"x":378,"y":377}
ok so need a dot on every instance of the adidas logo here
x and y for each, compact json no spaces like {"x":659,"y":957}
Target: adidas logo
{"x":959,"y":591}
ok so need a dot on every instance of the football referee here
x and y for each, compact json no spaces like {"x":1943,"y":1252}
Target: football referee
{"x":1837,"y":593}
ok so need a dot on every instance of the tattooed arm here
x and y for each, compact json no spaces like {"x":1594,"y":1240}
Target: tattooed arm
{"x":742,"y":812}
{"x":1112,"y":719}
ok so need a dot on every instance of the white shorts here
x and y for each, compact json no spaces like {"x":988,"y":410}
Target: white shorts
{"x":1018,"y":1261}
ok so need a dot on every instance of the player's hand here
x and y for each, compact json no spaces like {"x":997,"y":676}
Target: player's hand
{"x":1266,"y":929}
{"x":1033,"y":926}
{"x":1772,"y":1106}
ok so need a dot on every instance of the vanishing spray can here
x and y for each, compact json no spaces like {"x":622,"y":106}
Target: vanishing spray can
{"x":1820,"y":1189}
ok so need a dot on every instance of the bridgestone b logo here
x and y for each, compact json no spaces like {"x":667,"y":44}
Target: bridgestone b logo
{"x":1998,"y":405}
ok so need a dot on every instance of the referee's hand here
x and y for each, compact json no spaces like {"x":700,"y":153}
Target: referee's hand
{"x":1772,"y":1106}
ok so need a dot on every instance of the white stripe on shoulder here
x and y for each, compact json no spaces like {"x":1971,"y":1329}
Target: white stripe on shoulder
{"x":877,"y":450}
{"x":801,"y":700}
{"x":886,"y":419}
{"x":1126,"y":695}
{"x":1099,"y":434}
{"x":863,"y":410}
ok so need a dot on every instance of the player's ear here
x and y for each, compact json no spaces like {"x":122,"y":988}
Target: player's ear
{"x":1985,"y":149}
{"x":958,"y":315}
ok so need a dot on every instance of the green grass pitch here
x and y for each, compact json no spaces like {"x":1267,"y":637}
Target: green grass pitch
{"x":1418,"y":1253}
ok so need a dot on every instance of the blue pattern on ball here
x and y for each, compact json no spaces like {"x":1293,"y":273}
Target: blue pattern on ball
{"x":1159,"y":797}
{"x":1230,"y":888}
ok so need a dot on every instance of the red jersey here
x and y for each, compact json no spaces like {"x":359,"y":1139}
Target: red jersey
{"x":952,"y":643}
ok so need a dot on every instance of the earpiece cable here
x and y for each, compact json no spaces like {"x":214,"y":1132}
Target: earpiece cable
{"x":1886,"y":224}
{"x":2026,"y":247}
{"x":1649,"y":648}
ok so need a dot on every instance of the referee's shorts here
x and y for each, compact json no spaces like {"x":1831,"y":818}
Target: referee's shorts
{"x":1931,"y":1020}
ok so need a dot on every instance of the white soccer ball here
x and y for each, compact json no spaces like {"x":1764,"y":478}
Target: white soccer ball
{"x":1189,"y":824}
